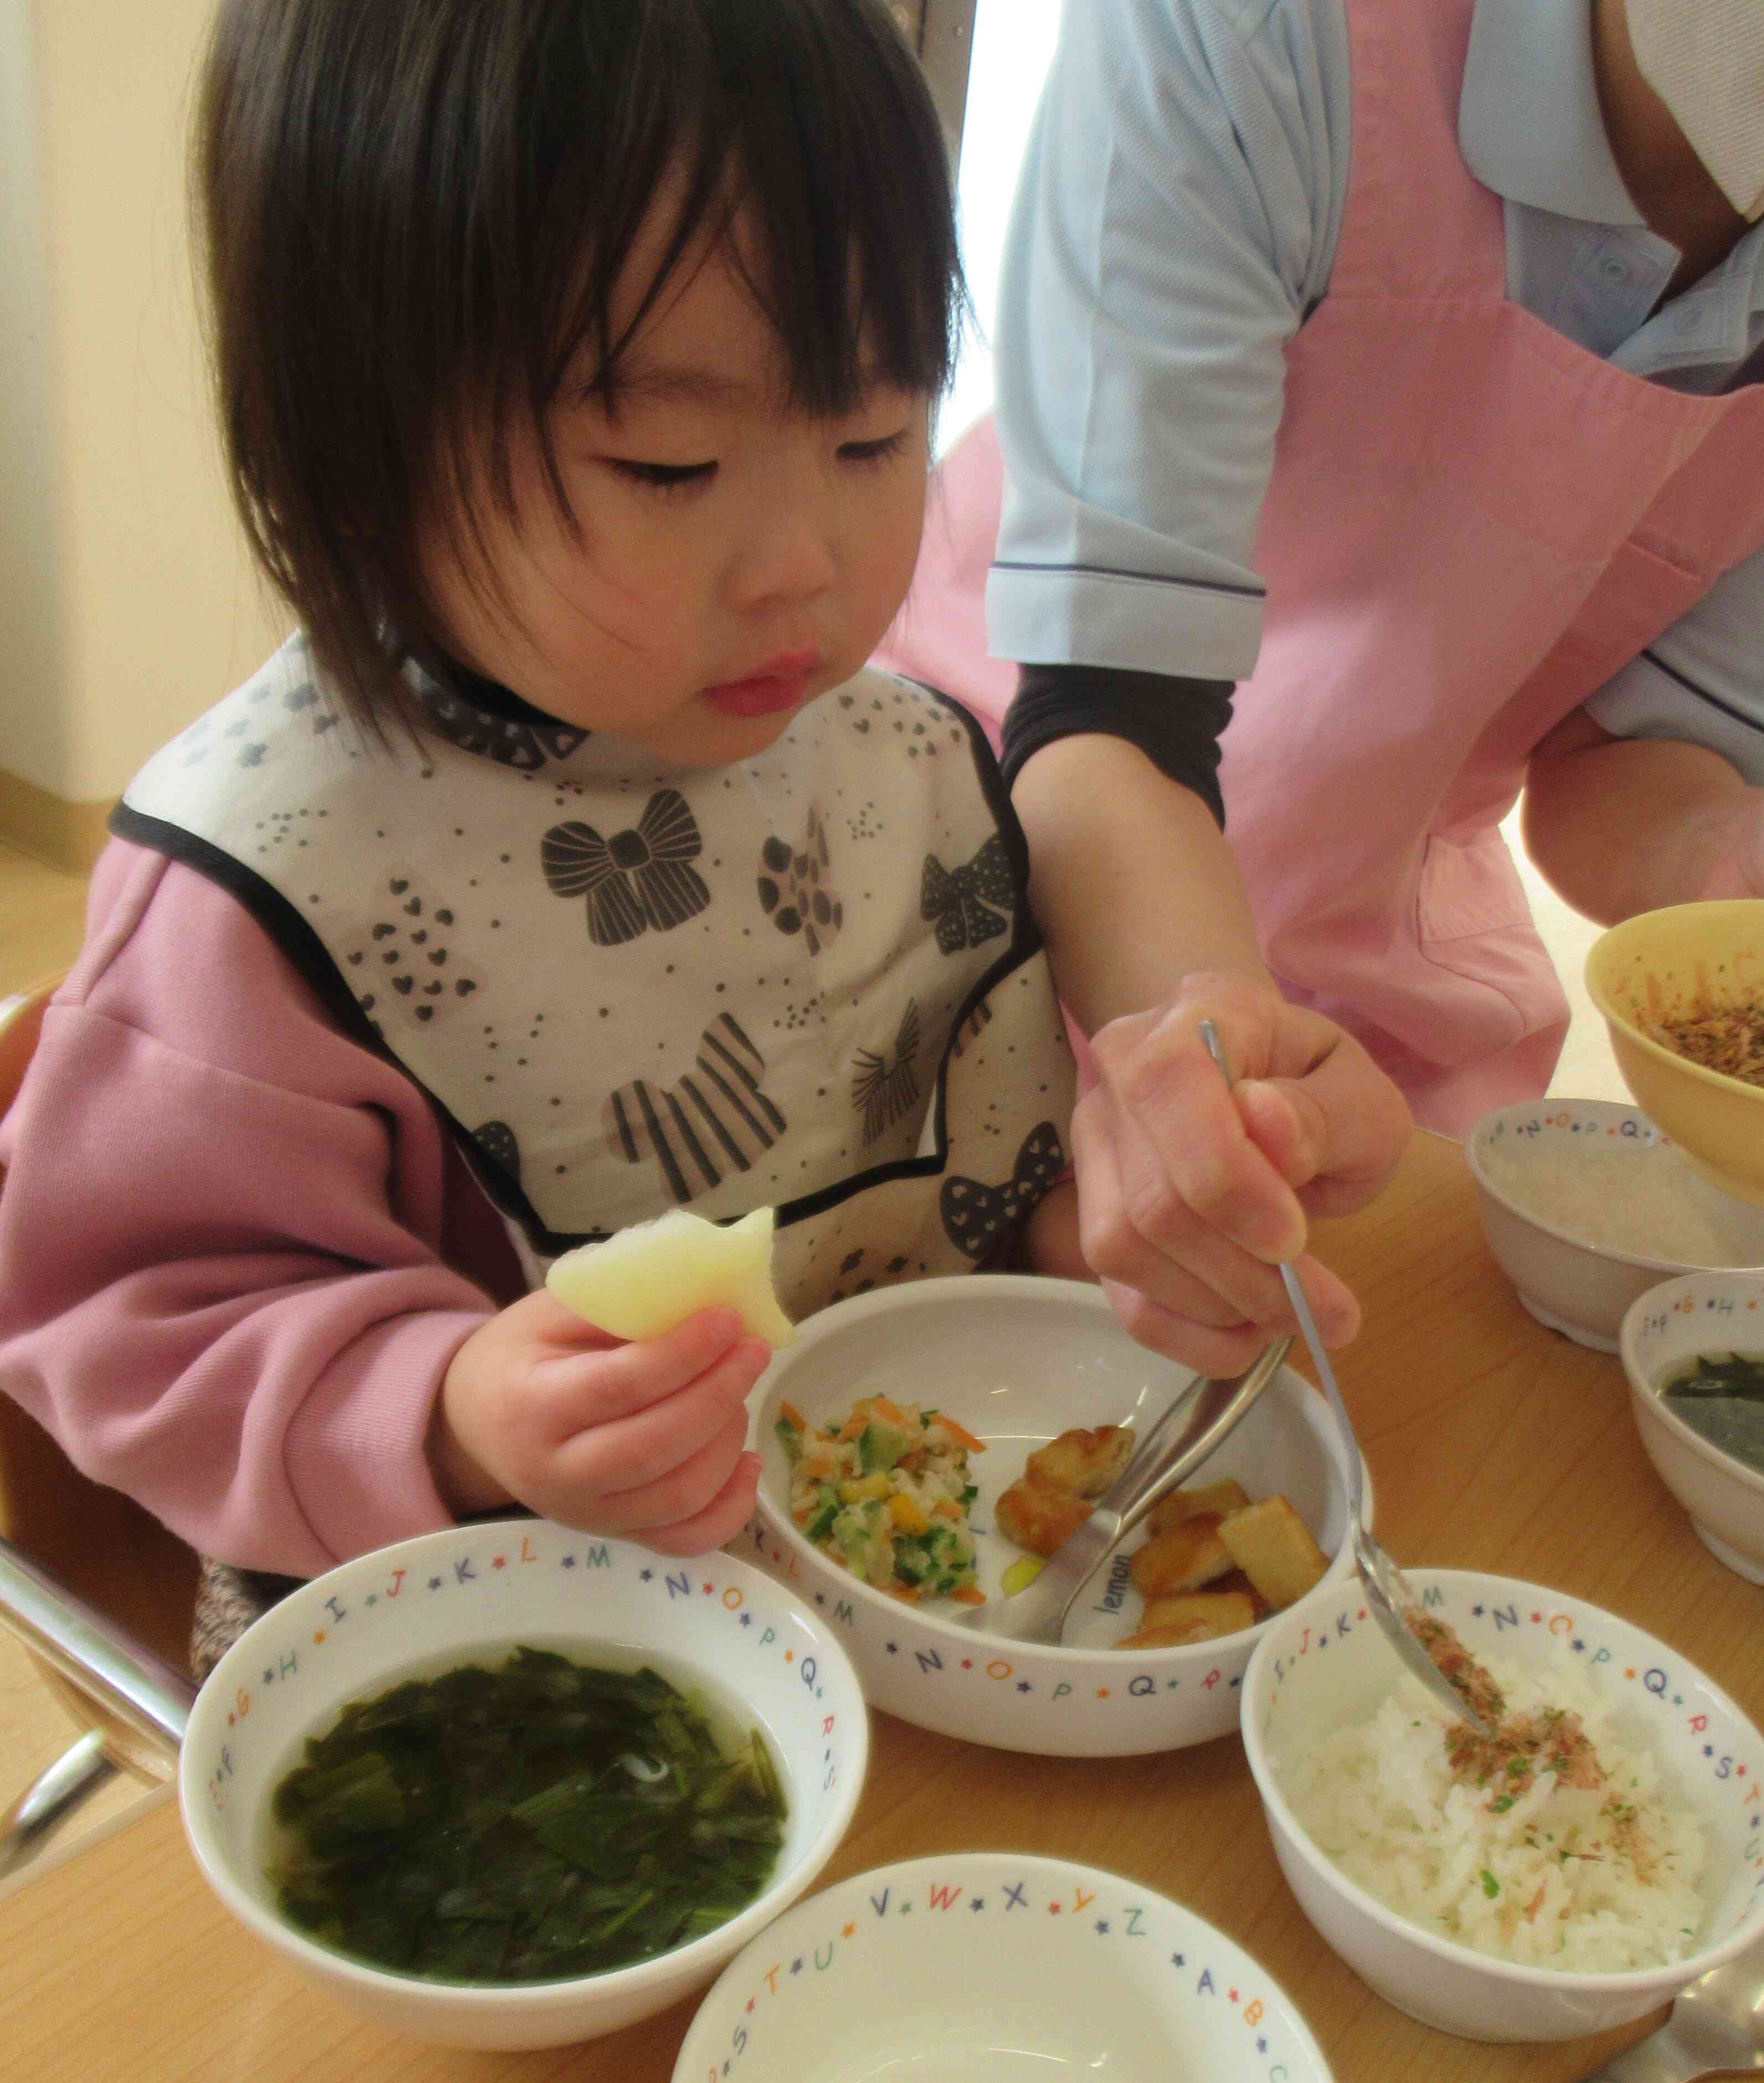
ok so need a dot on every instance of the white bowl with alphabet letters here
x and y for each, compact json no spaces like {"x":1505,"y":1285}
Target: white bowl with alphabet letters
{"x":711,"y":1624}
{"x":1000,"y":1965}
{"x":1018,"y":1359}
{"x":1322,"y":1668}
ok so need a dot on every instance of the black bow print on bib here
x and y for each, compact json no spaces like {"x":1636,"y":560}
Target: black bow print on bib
{"x":636,"y":879}
{"x":884,"y":1087}
{"x":960,"y":899}
{"x":715,"y":1119}
{"x":975,"y":1216}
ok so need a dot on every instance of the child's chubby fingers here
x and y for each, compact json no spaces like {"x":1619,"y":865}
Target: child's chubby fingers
{"x":721,"y":1520}
{"x":630,"y":1453}
{"x":551,"y":1413}
{"x":669,"y":1509}
{"x":581,"y":1376}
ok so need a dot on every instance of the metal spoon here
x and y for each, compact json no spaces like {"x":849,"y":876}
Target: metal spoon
{"x":140,"y":1704}
{"x":1716,"y":2029}
{"x":1193,"y":1426}
{"x":1389,"y":1595}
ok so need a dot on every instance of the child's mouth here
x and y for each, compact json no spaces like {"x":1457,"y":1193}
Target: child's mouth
{"x":781,"y":683}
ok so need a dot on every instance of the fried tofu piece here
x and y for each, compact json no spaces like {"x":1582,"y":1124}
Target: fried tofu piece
{"x":1190,"y":1616}
{"x":1189,"y":1555}
{"x":1037,"y":1517}
{"x":1273,"y":1547}
{"x":1082,"y":1463}
{"x":1224,"y":1497}
{"x":1234,"y":1580}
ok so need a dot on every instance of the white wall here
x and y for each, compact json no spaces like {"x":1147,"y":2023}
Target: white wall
{"x":127,"y":601}
{"x":1013,"y":42}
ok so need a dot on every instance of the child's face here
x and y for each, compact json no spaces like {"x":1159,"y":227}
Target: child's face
{"x":736,"y":558}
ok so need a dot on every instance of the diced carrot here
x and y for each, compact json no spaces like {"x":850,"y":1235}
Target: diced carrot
{"x":960,"y":1434}
{"x":946,"y":1508}
{"x":792,"y":1416}
{"x":852,"y":1427}
{"x":889,"y":1413}
{"x":968,"y":1594}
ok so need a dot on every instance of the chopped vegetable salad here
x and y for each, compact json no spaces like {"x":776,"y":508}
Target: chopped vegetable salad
{"x":886,"y":1493}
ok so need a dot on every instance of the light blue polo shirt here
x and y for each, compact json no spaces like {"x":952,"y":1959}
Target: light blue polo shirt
{"x":1175,"y":222}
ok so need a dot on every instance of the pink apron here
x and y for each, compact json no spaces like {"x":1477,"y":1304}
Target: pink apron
{"x":1472,"y":525}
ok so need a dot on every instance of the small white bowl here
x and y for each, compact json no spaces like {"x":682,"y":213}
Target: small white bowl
{"x":1702,"y":1312}
{"x":1323,"y":1664}
{"x":1017,"y":1359}
{"x":1564,"y":1279}
{"x":471,"y":1595}
{"x":993,"y":1964}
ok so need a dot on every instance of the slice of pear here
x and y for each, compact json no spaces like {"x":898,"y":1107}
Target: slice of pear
{"x":643,"y":1281}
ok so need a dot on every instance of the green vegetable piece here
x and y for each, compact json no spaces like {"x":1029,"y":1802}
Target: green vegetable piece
{"x":1491,"y":1885}
{"x":359,"y":1798}
{"x":880,"y":1445}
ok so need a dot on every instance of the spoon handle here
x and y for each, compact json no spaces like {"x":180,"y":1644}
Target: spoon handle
{"x":44,"y":1805}
{"x":1657,"y":2059}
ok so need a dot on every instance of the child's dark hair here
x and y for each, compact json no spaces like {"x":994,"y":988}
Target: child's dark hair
{"x":414,"y":212}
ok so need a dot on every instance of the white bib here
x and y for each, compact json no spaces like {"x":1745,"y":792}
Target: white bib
{"x":809,"y":981}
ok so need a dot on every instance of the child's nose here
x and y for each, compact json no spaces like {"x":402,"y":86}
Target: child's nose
{"x":790,"y":552}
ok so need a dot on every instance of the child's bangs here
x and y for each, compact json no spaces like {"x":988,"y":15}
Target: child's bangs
{"x":806,"y":127}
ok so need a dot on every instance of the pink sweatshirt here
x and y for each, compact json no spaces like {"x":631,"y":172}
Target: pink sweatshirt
{"x":237,"y":1251}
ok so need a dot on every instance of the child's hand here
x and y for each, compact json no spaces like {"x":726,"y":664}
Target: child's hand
{"x":540,"y":1408}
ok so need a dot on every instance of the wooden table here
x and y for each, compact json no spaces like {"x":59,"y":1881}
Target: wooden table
{"x":1493,"y":1443}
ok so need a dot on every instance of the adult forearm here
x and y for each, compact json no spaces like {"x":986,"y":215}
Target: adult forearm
{"x":1132,"y":882}
{"x":1619,"y":825}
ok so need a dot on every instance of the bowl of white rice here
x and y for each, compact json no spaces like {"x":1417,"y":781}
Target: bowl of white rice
{"x":1515,"y":1894}
{"x":1586,"y":1205}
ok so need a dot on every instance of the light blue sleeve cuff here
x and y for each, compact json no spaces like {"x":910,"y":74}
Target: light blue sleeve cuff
{"x":1061,"y":615}
{"x":1646,"y":700}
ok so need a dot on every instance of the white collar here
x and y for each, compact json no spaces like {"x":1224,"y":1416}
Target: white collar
{"x":1528,"y":120}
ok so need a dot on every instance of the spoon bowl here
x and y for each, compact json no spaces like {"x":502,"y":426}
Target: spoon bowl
{"x":1716,"y":2028}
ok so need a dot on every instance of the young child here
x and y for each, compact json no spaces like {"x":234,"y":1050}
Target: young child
{"x":575,"y":360}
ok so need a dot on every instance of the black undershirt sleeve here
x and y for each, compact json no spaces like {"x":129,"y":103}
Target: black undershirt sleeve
{"x":1175,"y":720}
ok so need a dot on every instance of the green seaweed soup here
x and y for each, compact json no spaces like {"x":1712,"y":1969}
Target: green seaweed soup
{"x":1721,"y":1395}
{"x":537,"y":1820}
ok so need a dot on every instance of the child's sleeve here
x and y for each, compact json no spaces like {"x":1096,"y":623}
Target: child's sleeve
{"x":231,"y":1277}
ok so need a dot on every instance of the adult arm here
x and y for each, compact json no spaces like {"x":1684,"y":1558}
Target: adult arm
{"x":1620,"y":825}
{"x":1653,"y":793}
{"x":236,"y":1254}
{"x":1190,"y":1195}
{"x":1176,"y":222}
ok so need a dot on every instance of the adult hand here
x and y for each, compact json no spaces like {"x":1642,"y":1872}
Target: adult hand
{"x":1191,"y":1193}
{"x":647,"y":1439}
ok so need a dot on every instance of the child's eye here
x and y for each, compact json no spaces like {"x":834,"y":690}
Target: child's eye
{"x":875,"y":451}
{"x":663,"y":476}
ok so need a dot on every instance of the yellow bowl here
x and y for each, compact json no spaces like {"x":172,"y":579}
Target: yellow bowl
{"x":1661,"y":965}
